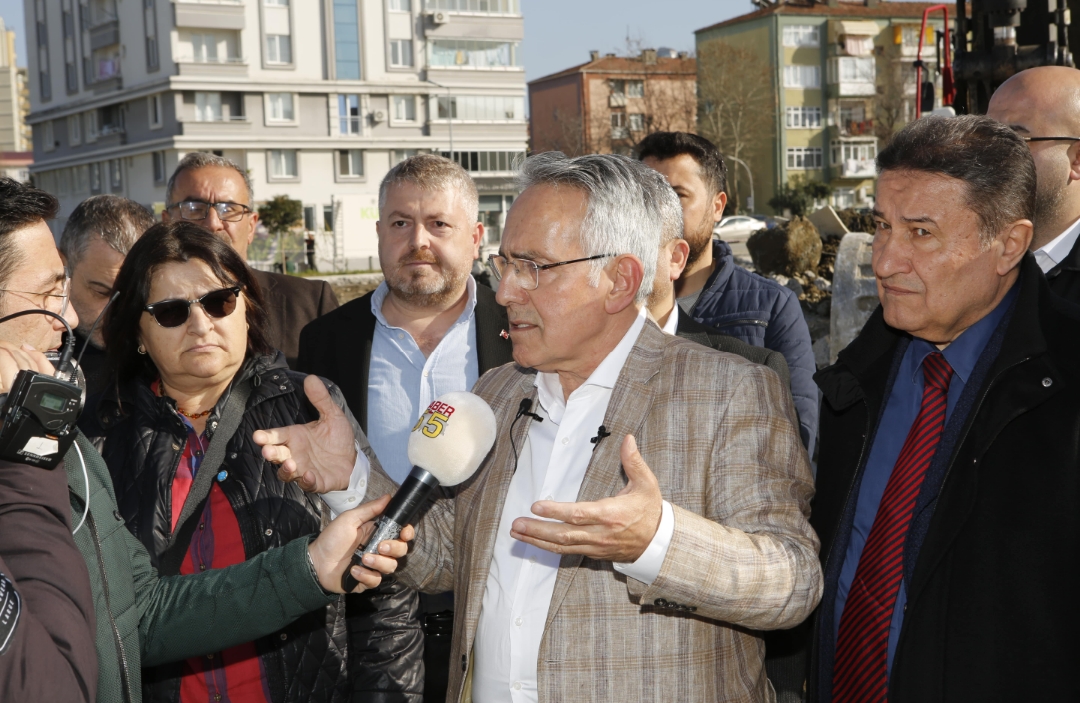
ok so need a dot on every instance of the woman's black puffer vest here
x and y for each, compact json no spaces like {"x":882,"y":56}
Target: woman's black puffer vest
{"x":142,"y":440}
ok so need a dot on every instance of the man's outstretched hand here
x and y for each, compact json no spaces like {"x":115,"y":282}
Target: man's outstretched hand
{"x":332,"y":550}
{"x":320,"y":455}
{"x":617,"y":529}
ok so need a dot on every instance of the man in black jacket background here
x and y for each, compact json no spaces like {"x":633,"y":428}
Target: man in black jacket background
{"x":947,"y":479}
{"x":428,"y":329}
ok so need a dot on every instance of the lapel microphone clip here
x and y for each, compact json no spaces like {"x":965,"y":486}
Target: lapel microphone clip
{"x":601,"y":432}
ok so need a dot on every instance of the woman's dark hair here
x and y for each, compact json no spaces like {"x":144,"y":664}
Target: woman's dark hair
{"x":174,"y":242}
{"x":989,"y":157}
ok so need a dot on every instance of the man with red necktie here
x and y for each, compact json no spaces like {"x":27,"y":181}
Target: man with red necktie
{"x":947,"y":479}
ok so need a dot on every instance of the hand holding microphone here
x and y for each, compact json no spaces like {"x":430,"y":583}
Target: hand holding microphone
{"x":446,"y":446}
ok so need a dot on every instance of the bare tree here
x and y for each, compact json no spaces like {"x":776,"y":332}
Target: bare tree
{"x":736,"y":104}
{"x":893,"y":103}
{"x":567,"y":134}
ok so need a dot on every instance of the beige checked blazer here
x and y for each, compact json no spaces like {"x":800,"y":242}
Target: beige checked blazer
{"x":720,"y":435}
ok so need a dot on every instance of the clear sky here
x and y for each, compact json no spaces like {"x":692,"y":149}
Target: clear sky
{"x":560,"y":33}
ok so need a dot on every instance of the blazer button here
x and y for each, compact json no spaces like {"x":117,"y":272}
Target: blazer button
{"x":284,"y":637}
{"x":1047,"y":382}
{"x":660,"y":603}
{"x":268,"y":532}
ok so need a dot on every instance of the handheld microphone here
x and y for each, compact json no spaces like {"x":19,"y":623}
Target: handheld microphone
{"x":446,"y":446}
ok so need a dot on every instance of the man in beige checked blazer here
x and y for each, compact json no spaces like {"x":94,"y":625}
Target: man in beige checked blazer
{"x":628,"y":540}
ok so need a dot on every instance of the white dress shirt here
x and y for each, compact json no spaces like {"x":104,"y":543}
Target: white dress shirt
{"x":1053,"y":253}
{"x":672,"y":321}
{"x":521,"y":581}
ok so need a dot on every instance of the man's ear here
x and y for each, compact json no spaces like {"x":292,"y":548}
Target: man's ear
{"x":719,"y":203}
{"x":680,"y":254}
{"x":627,"y":274}
{"x":1074,"y":161}
{"x":1015,"y":243}
{"x":254,"y":226}
{"x":478,"y":236}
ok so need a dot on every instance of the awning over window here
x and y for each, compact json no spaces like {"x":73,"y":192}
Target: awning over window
{"x":860,"y":28}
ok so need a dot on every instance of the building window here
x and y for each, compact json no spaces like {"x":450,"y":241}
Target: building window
{"x":486,"y":7}
{"x":106,"y":63}
{"x":350,"y":163}
{"x":481,"y":108}
{"x":802,"y":158}
{"x":116,"y":177}
{"x":349,"y":114}
{"x":283,"y":163}
{"x":401,"y":5}
{"x":208,"y":107}
{"x":95,"y":178}
{"x":328,"y":217}
{"x":629,"y":89}
{"x":71,"y":71}
{"x":278,"y":49}
{"x":346,"y":41}
{"x":159,"y":166}
{"x":276,"y":3}
{"x":45,"y":84}
{"x":150,"y":25}
{"x":802,"y":77}
{"x":401,"y":54}
{"x":279,"y":107}
{"x":399,"y":155}
{"x":153,"y":107}
{"x":48,"y":138}
{"x":637,"y":122}
{"x":204,"y":48}
{"x":91,"y":126}
{"x":74,"y":123}
{"x":852,"y":151}
{"x":474,"y":53}
{"x":405,"y":108}
{"x":852,"y":69}
{"x":486,"y":161}
{"x":801,"y":35}
{"x":803,"y":118}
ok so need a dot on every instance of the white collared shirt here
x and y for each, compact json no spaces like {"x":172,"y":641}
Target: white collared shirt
{"x":521,"y":581}
{"x":672,"y":321}
{"x":1053,"y":253}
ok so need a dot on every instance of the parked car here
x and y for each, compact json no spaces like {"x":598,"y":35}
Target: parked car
{"x":736,"y":229}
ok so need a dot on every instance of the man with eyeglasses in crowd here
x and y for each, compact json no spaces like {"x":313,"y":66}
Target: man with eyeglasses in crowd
{"x":1042,"y":105}
{"x":217,"y":194}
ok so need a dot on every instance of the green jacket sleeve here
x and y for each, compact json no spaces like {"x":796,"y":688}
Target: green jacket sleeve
{"x":187,"y":616}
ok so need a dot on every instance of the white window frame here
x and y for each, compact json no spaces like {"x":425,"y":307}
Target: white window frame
{"x":349,"y":154}
{"x":48,"y":136}
{"x":406,"y":101}
{"x":95,"y":177}
{"x":809,"y":156}
{"x":802,"y":77}
{"x":208,"y":43}
{"x":860,"y":150}
{"x":276,"y":3}
{"x":116,"y":173}
{"x":399,"y":155}
{"x":271,"y":163}
{"x":268,"y":110}
{"x":346,"y":100}
{"x":802,"y":35}
{"x":273,"y":56}
{"x":635,"y":89}
{"x":74,"y":124}
{"x":154,"y":105}
{"x":401,"y":53}
{"x":157,"y":166}
{"x":803,"y":117}
{"x":399,"y":5}
{"x":636,"y":121}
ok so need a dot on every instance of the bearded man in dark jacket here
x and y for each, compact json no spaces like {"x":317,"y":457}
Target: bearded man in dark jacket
{"x":948,"y":476}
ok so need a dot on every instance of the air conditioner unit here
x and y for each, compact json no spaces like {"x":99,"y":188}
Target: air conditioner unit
{"x":439,"y":17}
{"x":378,"y":116}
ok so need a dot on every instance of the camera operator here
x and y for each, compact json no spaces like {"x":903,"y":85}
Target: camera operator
{"x":141,"y":619}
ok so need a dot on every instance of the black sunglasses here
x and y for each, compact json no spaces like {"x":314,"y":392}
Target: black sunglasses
{"x":173,"y":313}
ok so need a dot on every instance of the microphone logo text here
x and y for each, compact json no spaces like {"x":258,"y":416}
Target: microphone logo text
{"x":434,"y":419}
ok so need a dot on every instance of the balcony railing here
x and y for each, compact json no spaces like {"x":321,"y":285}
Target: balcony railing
{"x":100,"y":16}
{"x":858,"y":168}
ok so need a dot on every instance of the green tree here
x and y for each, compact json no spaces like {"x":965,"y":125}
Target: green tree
{"x":280,"y":215}
{"x":798,"y":195}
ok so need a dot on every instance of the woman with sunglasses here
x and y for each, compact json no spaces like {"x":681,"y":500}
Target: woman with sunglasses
{"x":187,"y":331}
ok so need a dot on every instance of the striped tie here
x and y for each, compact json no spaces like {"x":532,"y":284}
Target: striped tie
{"x":860,"y":674}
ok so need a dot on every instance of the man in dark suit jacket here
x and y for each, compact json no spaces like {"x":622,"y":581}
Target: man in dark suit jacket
{"x":217,"y":194}
{"x":427,"y":330}
{"x":947,"y":477}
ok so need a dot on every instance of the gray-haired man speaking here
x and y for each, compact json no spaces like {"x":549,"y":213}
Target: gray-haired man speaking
{"x":644,"y":509}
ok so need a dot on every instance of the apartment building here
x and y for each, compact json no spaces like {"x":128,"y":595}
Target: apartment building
{"x":609,"y":103}
{"x":844,"y":82}
{"x":317,"y":99}
{"x":14,"y":100}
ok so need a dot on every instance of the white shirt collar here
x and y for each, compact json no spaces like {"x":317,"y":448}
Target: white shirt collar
{"x":383,"y":290}
{"x":1056,"y":250}
{"x":549,"y":387}
{"x":672,"y":321}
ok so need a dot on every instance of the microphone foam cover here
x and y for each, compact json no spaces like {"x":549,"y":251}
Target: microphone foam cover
{"x":452,"y":437}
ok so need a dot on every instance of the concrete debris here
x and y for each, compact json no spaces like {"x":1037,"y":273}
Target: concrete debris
{"x":854,"y":290}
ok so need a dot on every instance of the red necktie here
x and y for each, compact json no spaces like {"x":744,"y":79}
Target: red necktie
{"x":860,"y":673}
